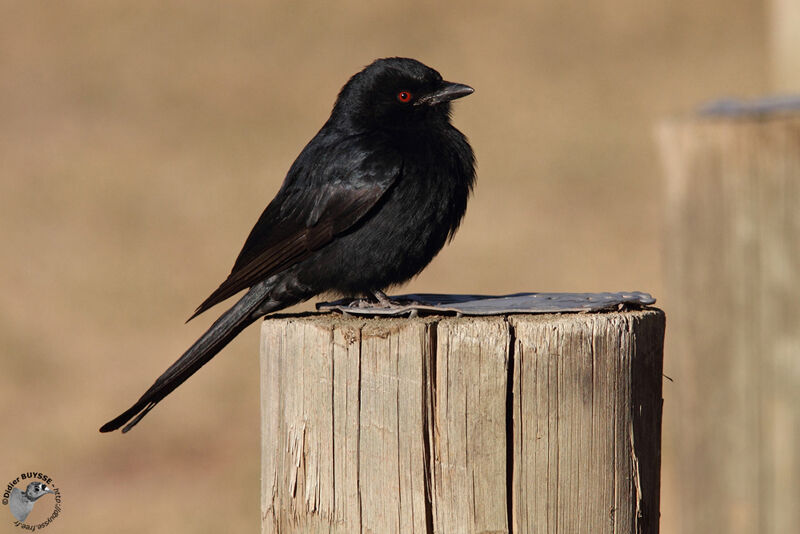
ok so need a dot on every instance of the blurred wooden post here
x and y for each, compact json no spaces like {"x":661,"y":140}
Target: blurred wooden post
{"x":784,"y":43}
{"x":525,"y":423}
{"x":732,"y":276}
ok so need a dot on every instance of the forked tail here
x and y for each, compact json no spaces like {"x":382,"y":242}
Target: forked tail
{"x":248,"y":309}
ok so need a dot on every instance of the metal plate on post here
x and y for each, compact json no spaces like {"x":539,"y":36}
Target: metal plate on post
{"x":431,"y":303}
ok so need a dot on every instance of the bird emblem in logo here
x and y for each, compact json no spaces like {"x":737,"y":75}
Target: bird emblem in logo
{"x":21,"y":502}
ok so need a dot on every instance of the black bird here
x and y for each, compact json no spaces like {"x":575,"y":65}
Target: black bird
{"x":367,"y":204}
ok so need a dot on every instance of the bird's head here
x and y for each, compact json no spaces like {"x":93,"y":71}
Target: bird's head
{"x":396,"y":94}
{"x":36,"y":490}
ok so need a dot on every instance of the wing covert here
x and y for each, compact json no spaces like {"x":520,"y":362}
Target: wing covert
{"x":313,"y":206}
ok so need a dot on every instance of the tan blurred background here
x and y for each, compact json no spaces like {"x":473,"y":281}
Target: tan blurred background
{"x":140,"y":141}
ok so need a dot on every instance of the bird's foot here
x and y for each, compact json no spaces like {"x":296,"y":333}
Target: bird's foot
{"x":378,"y":300}
{"x":383,"y":300}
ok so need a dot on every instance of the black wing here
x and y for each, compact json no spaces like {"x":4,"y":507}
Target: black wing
{"x":332,"y":185}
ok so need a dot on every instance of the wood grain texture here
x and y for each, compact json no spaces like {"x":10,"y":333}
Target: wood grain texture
{"x":586,"y":432}
{"x":732,"y":274}
{"x":490,"y":425}
{"x":342,"y":426}
{"x":469,"y":425}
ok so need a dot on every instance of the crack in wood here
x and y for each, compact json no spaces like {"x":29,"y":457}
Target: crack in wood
{"x":502,"y":425}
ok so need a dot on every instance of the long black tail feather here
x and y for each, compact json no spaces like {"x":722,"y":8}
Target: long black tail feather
{"x":251,"y":306}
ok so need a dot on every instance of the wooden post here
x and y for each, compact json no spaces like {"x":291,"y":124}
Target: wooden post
{"x":525,"y":423}
{"x":732,"y":275}
{"x":784,"y":45}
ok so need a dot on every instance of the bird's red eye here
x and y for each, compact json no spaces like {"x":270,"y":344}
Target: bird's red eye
{"x":404,"y":96}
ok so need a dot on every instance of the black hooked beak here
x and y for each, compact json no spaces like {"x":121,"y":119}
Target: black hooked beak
{"x":447,"y":92}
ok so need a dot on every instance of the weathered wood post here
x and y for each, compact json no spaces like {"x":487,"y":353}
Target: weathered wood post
{"x":516,"y":423}
{"x":784,"y":45}
{"x":732,"y":279}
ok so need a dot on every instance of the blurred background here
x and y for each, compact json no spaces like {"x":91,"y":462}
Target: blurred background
{"x":139,"y":142}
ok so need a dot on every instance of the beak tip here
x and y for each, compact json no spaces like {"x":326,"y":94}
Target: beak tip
{"x":459,"y":90}
{"x":448,"y":92}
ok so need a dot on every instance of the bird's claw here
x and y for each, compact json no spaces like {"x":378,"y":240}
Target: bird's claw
{"x":379,"y":300}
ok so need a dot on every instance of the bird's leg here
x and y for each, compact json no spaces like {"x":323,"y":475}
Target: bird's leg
{"x":364,"y":302}
{"x":386,"y":302}
{"x":382,"y":299}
